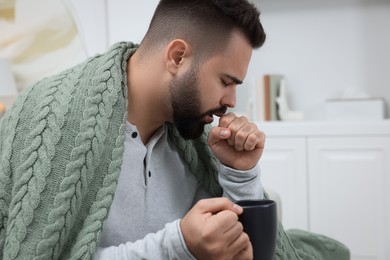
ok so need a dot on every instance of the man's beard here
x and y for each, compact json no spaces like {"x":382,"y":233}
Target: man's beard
{"x":185,"y":102}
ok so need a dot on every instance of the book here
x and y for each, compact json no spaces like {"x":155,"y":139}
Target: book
{"x":260,"y":99}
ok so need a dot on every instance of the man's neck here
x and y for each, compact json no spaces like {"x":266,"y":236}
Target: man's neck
{"x":146,"y":108}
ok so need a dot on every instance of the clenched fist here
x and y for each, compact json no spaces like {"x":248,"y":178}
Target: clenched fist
{"x":236,"y":142}
{"x":211,"y":230}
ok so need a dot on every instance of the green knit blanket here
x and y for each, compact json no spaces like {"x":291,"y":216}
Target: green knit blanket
{"x":61,"y":148}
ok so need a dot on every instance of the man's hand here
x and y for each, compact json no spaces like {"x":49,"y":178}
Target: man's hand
{"x":236,"y":142}
{"x":211,"y":230}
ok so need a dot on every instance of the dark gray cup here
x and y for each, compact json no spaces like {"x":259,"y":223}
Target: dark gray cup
{"x":260,"y":223}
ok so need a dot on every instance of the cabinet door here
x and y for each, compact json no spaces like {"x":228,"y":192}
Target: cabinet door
{"x":284,"y":171}
{"x":349,"y":182}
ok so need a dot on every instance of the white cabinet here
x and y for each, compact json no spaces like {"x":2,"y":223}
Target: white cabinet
{"x":333,"y":179}
{"x":349,"y":199}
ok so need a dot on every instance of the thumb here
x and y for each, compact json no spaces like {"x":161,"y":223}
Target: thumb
{"x":217,"y":134}
{"x":215,"y":205}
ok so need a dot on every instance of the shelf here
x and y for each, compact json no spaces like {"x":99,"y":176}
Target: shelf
{"x":325,"y":128}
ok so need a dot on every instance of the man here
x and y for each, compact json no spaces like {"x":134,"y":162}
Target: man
{"x":115,"y":159}
{"x":184,"y":72}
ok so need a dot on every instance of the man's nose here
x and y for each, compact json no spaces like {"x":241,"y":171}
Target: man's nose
{"x":229,"y":98}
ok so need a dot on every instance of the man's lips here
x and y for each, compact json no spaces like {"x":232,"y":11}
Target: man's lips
{"x":208,"y":119}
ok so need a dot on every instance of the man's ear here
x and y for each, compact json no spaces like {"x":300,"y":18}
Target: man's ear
{"x":177,"y":53}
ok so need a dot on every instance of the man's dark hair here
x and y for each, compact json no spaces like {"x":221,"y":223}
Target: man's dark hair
{"x":206,"y":24}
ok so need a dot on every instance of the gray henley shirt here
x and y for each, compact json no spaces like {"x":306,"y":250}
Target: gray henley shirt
{"x":155,"y":191}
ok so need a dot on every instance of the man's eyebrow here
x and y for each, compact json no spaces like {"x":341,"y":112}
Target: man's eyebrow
{"x":234,"y":79}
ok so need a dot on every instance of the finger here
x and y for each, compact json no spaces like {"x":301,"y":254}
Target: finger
{"x":242,"y":135}
{"x":255,"y":139}
{"x":261,"y":139}
{"x":235,"y":126}
{"x":249,"y":137}
{"x":225,"y":220}
{"x":240,"y":244}
{"x":225,"y":120}
{"x":251,"y":141}
{"x":217,"y":134}
{"x":234,"y":232}
{"x":246,"y":253}
{"x":215,"y":205}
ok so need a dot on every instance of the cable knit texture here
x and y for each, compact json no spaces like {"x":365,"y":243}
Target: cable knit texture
{"x":61,"y":149}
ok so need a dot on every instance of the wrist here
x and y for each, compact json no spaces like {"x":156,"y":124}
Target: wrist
{"x":184,"y":249}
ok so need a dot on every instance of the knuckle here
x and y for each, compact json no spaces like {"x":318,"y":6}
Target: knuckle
{"x":243,"y":119}
{"x":215,"y":251}
{"x":202,"y":203}
{"x":225,"y":201}
{"x":227,"y":118}
{"x":206,"y":235}
{"x":262,"y":134}
{"x":223,"y":119}
{"x":253,"y":128}
{"x":231,"y":215}
{"x":240,"y":136}
{"x":240,"y":121}
{"x":252,"y":138}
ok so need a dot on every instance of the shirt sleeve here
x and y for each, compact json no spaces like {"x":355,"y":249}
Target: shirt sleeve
{"x":167,"y":243}
{"x":240,"y":185}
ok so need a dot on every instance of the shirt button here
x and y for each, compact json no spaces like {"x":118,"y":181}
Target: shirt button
{"x":134,"y":135}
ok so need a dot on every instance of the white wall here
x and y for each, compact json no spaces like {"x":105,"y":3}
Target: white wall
{"x":129,"y":19}
{"x":91,"y":23}
{"x":111,"y":21}
{"x":325,"y":49}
